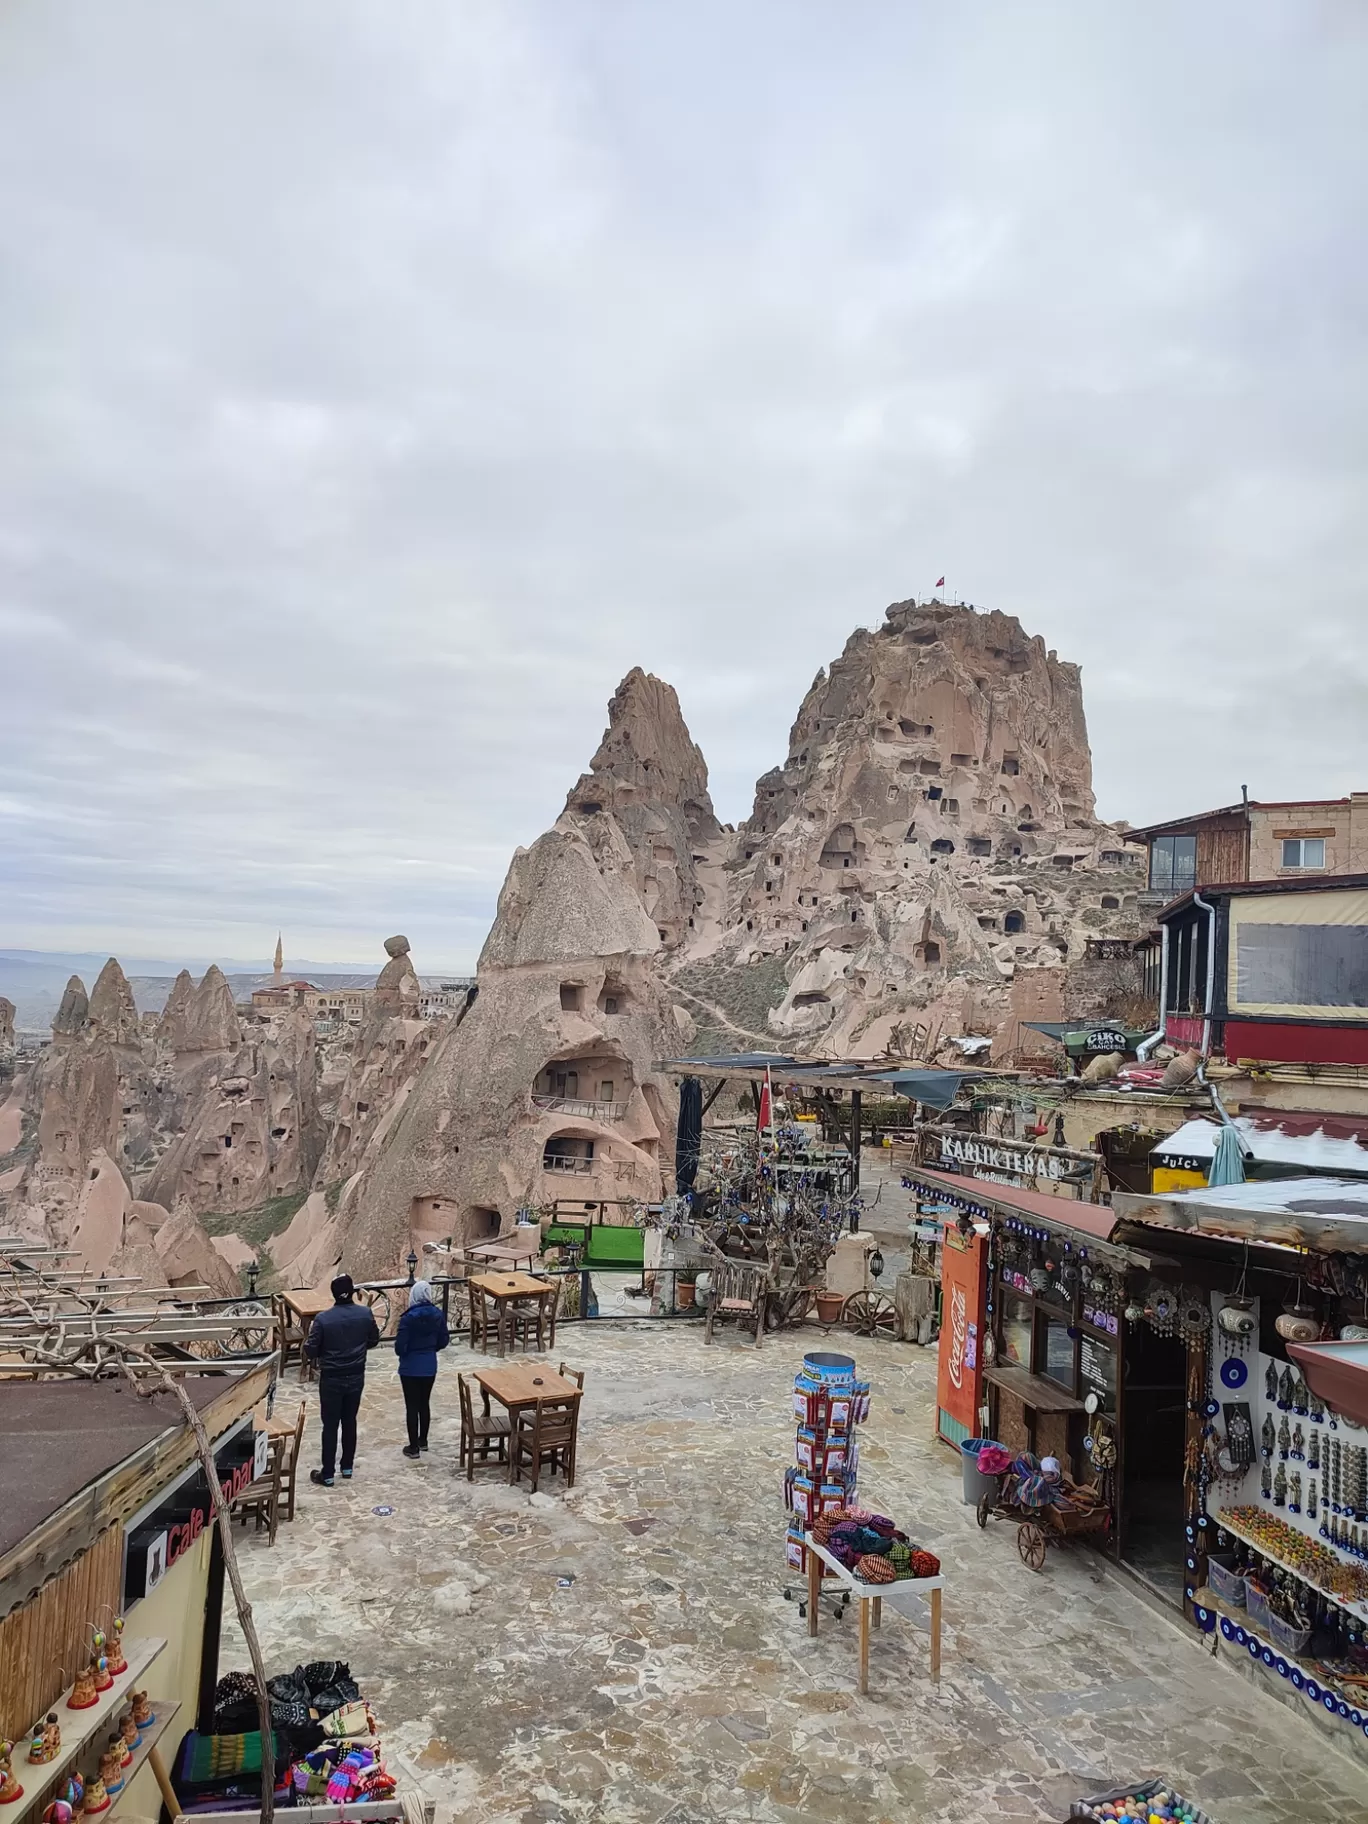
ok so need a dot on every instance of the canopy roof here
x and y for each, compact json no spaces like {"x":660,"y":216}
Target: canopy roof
{"x":936,"y":1088}
{"x":1310,"y":1143}
{"x":1324,"y":1215}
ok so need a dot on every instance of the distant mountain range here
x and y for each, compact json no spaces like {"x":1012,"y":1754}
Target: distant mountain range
{"x":34,"y":979}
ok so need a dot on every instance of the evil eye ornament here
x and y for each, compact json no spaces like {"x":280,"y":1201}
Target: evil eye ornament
{"x":1234,"y":1373}
{"x":1313,"y":1690}
{"x":1241,"y":1637}
{"x":1227,"y":1628}
{"x":1281,"y":1664}
{"x":1212,"y":1408}
{"x":1298,"y":1678}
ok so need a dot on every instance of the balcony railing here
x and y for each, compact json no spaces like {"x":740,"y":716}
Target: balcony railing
{"x":572,"y":1105}
{"x":565,"y":1162}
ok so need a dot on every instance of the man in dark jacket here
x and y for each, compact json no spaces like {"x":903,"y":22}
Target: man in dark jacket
{"x":338,"y":1341}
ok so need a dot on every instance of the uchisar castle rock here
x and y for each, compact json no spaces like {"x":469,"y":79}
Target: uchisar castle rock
{"x":925,"y":864}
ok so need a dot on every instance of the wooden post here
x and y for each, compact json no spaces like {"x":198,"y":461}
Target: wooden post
{"x":854,"y":1141}
{"x":814,"y":1568}
{"x":935,"y":1634}
{"x":878,"y":1611}
{"x":163,"y":1779}
{"x":864,"y":1602}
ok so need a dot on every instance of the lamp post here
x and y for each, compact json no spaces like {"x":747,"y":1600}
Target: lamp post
{"x":253,"y":1269}
{"x":412,"y":1266}
{"x":876,"y":1263}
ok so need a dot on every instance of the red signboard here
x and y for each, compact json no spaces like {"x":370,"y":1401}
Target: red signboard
{"x":959,"y":1376}
{"x":1286,"y":1042}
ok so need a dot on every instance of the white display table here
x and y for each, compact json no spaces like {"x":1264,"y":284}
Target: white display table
{"x":897,"y":1595}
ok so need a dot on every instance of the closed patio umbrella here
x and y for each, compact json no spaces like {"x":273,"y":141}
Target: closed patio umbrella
{"x":1228,"y":1161}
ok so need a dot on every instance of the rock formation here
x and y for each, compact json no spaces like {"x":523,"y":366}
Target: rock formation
{"x":546,"y":1087}
{"x":71,"y":1014}
{"x":930,"y":834}
{"x":6,"y":1023}
{"x":651,"y":779}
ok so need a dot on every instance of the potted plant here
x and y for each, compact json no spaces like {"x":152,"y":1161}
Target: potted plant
{"x":829,"y":1305}
{"x":684,"y":1290}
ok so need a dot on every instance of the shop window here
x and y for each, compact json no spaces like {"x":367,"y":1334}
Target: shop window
{"x":1173,"y":864}
{"x":1016,"y":1332}
{"x":1055,"y":1359}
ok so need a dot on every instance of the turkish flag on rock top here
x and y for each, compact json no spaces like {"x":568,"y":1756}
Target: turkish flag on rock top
{"x":940,"y":582}
{"x":765,"y":1114}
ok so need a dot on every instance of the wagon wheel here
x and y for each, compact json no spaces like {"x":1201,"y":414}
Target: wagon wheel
{"x":378,"y":1300}
{"x":985,"y":1507}
{"x":870,"y":1314}
{"x":256,"y":1333}
{"x":1031,"y":1545}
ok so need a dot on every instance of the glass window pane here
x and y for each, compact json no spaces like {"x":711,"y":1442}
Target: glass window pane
{"x":1184,"y":863}
{"x":1057,"y":1354}
{"x":1161,"y":862}
{"x":1016,"y":1332}
{"x":1313,"y":852}
{"x":1291,"y":854}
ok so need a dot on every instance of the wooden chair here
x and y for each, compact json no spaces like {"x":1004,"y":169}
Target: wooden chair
{"x":572,"y":1374}
{"x":479,"y":1319}
{"x":289,"y":1464}
{"x":537,"y":1317}
{"x":738,"y":1291}
{"x":482,"y":1429}
{"x":260,"y":1500}
{"x":289,"y":1334}
{"x":546,"y":1433}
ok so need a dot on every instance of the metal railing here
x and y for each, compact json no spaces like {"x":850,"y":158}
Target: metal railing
{"x":566,"y":1162}
{"x":580,"y":1105}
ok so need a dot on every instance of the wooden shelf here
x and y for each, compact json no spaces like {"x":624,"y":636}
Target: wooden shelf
{"x":166,"y":1714}
{"x":1032,"y":1390}
{"x":79,"y":1730}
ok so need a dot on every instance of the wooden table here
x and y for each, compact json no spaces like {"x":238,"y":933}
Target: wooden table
{"x":508,"y":1249}
{"x":524,"y":1384}
{"x":871,"y":1598}
{"x":506,"y":1289}
{"x":306,"y":1307}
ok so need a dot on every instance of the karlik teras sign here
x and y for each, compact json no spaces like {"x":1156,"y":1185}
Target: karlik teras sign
{"x":1002,"y":1156}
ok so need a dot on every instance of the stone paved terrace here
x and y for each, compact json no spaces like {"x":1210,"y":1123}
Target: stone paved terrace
{"x":672,"y":1681}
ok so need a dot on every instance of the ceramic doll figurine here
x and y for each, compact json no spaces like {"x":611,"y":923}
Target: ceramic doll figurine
{"x":96,"y":1798}
{"x":1266,"y":1482}
{"x":1280,"y":1487}
{"x":10,"y":1789}
{"x":111,"y":1766}
{"x":1294,"y":1492}
{"x":143,"y":1714}
{"x":1284,"y":1438}
{"x":130,"y":1733}
{"x":84,"y":1692}
{"x":117,"y":1662}
{"x":1298,"y":1442}
{"x":1285,"y":1389}
{"x":1268,"y":1436}
{"x":59,"y":1812}
{"x":47,"y":1741}
{"x":104,"y":1678}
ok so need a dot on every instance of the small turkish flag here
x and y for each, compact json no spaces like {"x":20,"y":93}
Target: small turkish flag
{"x":940,"y":582}
{"x":765,"y":1113}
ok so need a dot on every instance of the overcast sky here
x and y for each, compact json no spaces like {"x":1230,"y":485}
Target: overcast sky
{"x":379,"y":382}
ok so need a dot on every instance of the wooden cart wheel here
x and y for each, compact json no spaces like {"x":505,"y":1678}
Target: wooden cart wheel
{"x":1031,"y":1545}
{"x":985,"y":1507}
{"x":870,"y":1314}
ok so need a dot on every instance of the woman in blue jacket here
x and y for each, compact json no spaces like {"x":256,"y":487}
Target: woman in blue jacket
{"x":422,"y":1332}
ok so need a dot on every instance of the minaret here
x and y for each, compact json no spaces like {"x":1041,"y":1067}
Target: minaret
{"x":278,"y":979}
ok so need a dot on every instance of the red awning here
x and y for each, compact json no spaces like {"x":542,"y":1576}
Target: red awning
{"x":1094,"y":1219}
{"x":1337,"y":1373}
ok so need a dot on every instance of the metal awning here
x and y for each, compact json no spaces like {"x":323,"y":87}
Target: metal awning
{"x":935,"y":1088}
{"x":1322,"y":1215}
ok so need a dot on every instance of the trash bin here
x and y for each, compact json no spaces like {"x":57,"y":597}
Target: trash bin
{"x":976,"y":1484}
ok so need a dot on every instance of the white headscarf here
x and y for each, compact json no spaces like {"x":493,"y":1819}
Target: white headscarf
{"x":420,"y":1293}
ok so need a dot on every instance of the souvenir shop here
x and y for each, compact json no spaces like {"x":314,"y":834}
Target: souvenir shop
{"x":111,"y":1600}
{"x":1187,"y":1375}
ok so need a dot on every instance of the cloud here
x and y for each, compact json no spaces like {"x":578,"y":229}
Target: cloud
{"x":382,"y":382}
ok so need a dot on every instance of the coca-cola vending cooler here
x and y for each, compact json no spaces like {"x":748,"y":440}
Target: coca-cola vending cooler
{"x":964,"y":1318}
